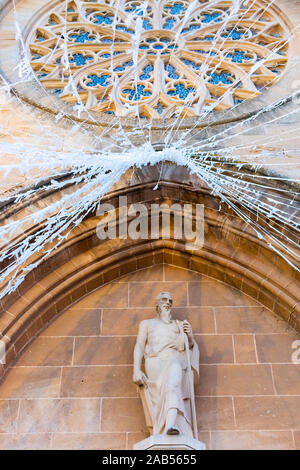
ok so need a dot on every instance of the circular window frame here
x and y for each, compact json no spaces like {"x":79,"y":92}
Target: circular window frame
{"x":35,"y":94}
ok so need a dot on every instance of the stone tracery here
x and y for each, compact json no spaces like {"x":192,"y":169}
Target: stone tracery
{"x":153,"y":59}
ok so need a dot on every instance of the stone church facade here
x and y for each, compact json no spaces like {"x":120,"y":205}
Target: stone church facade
{"x":69,"y":329}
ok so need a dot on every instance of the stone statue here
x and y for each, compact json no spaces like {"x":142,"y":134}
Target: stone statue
{"x":171,"y":358}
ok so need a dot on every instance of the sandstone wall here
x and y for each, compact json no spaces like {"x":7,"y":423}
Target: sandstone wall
{"x":72,"y":388}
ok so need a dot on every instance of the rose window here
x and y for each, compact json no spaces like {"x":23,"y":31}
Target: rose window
{"x":158,"y":59}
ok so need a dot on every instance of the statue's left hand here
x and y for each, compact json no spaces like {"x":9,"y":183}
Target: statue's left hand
{"x":188,"y":331}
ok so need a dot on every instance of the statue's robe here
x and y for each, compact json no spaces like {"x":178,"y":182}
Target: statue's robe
{"x":169,"y":381}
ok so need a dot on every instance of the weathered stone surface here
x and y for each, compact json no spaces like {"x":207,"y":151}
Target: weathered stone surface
{"x":249,"y":440}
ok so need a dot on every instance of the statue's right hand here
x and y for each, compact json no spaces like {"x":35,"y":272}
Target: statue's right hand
{"x":140,"y":378}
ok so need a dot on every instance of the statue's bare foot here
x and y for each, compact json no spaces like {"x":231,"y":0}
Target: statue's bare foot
{"x":173,"y":430}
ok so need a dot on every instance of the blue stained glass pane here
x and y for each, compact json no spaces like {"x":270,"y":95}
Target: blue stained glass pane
{"x":221,"y":78}
{"x":123,"y":28}
{"x":209,"y":17}
{"x":181,"y":91}
{"x":119,"y":68}
{"x":149,"y":68}
{"x":95,"y":80}
{"x":144,"y":46}
{"x":169,"y":23}
{"x":105,"y":56}
{"x":158,"y":46}
{"x":171,"y":71}
{"x":176,"y":9}
{"x":233,"y":34}
{"x":82,"y":37}
{"x":57,"y":91}
{"x":100,"y":19}
{"x":80,"y":59}
{"x":136,"y":93}
{"x":238,"y":56}
{"x":147,"y":25}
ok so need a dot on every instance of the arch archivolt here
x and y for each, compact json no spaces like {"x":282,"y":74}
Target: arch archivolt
{"x":231,"y":253}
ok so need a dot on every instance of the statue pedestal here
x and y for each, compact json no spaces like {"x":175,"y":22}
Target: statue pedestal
{"x":167,"y":442}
